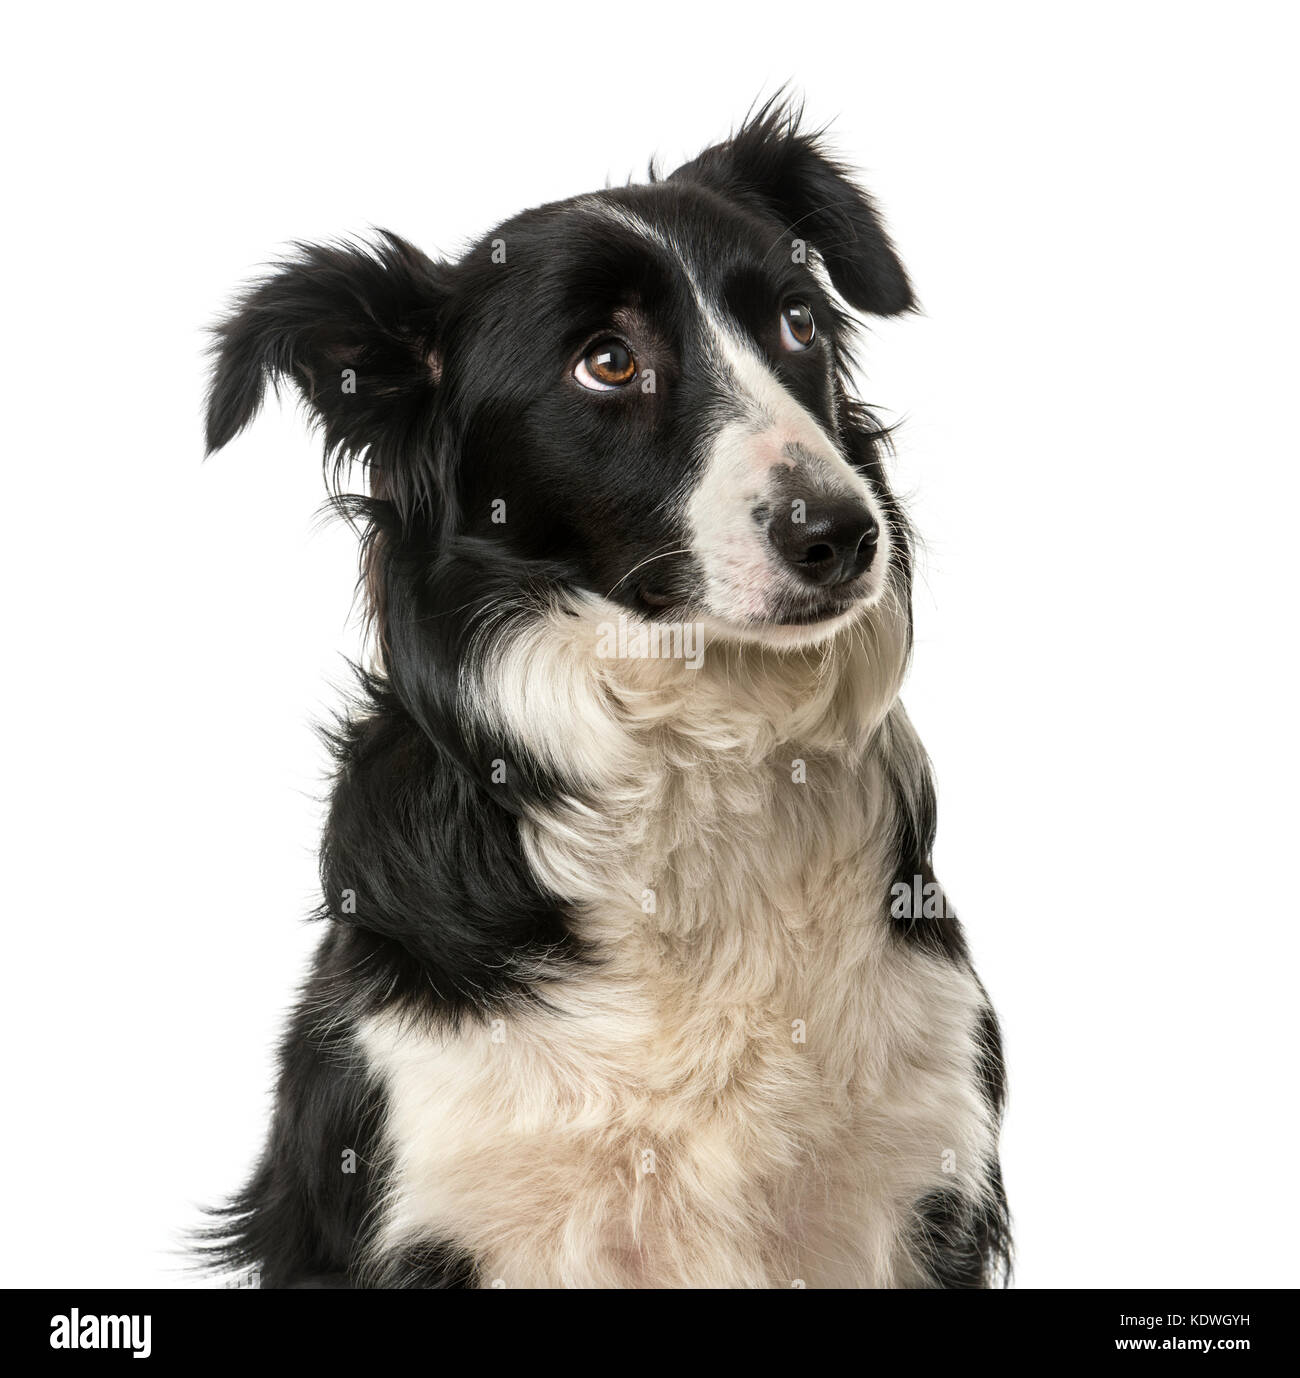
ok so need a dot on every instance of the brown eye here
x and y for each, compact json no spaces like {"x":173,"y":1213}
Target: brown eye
{"x":797,"y":326}
{"x":608,"y":364}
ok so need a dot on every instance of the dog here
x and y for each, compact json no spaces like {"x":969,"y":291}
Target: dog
{"x":634,"y":969}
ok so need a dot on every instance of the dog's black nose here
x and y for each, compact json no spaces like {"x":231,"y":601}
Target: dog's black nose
{"x":833,"y":543}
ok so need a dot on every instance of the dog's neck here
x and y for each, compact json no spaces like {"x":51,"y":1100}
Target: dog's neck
{"x":597,"y":700}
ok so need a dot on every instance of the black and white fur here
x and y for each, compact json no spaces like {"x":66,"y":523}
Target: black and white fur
{"x":611,"y":990}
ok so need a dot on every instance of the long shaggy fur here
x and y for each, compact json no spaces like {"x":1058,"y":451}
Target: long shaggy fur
{"x":615,"y":988}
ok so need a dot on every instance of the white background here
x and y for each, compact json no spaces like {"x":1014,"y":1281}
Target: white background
{"x":1098,"y":439}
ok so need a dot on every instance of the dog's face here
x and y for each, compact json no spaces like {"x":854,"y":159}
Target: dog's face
{"x":651,"y":384}
{"x":640,"y":389}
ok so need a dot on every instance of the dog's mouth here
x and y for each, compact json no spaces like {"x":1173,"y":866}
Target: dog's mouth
{"x":790,"y":616}
{"x":656,"y":599}
{"x":810,"y":617}
{"x":795,"y":607}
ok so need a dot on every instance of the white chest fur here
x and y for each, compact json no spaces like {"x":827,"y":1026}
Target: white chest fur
{"x":751,"y":1086}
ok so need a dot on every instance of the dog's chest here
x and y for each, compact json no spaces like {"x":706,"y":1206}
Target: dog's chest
{"x":750,"y":1086}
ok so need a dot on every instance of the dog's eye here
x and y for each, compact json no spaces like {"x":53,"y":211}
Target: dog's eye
{"x":609,"y":364}
{"x":797,"y":326}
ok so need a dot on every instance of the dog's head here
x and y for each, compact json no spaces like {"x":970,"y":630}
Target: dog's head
{"x":639,"y":392}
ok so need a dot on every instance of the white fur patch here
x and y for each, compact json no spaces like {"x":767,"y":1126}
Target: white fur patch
{"x":742,"y":574}
{"x":756,"y":1081}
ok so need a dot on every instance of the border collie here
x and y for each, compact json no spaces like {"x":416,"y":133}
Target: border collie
{"x":634,"y":971}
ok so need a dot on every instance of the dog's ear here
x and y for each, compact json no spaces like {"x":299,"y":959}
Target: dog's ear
{"x":770,"y":165}
{"x":355,"y":326}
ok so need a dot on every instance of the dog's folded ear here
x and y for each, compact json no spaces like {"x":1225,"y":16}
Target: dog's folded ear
{"x":355,"y":327}
{"x":773,"y":167}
